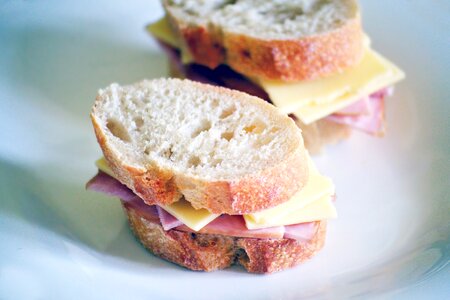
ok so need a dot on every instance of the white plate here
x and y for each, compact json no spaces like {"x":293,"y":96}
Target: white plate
{"x":59,"y":241}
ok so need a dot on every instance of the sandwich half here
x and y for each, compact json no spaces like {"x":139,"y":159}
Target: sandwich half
{"x":209,"y":176}
{"x":309,"y":58}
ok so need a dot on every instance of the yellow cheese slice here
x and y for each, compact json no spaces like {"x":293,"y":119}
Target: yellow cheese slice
{"x":193,"y":218}
{"x":102,"y":165}
{"x":321,"y":209}
{"x":318,"y":186}
{"x":379,"y":72}
{"x":313,"y":100}
{"x":162,"y":31}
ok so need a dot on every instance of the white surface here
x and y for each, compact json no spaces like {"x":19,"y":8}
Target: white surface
{"x":60,"y":242}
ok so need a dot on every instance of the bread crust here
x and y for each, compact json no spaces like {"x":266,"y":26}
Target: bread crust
{"x":209,"y":252}
{"x":249,"y":193}
{"x":306,"y":58}
{"x":203,"y":46}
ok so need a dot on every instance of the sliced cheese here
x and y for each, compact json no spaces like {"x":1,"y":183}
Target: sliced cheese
{"x":193,"y":218}
{"x":322,"y":209}
{"x":379,"y":72}
{"x":162,"y":31}
{"x":102,"y":165}
{"x":318,"y":186}
{"x":313,"y":100}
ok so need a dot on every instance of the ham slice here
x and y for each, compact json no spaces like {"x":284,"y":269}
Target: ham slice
{"x":235,"y":226}
{"x":103,"y":183}
{"x":301,"y":232}
{"x":149,"y":212}
{"x":167,"y":220}
{"x":361,"y":107}
{"x":224,"y":225}
{"x":372,"y":124}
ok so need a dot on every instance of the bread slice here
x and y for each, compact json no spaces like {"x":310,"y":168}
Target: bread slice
{"x":316,"y":135}
{"x":221,"y":150}
{"x":278,"y":40}
{"x":209,"y":252}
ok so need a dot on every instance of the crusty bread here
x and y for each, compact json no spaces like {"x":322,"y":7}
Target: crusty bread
{"x":220,"y":149}
{"x":209,"y":252}
{"x":278,"y":40}
{"x":316,"y":135}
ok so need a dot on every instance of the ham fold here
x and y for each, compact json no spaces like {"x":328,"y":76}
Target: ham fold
{"x":372,"y":123}
{"x":300,"y":232}
{"x":224,"y":225}
{"x":361,"y":107}
{"x":167,"y":220}
{"x":103,"y":183}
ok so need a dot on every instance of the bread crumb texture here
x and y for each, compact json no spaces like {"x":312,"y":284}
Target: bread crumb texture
{"x":195,"y":129}
{"x":283,"y":19}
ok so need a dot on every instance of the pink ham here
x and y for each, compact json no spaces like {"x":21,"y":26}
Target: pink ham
{"x":383,"y":93}
{"x":167,"y":220}
{"x":235,"y":226}
{"x":149,"y":212}
{"x":362,"y":107}
{"x":301,"y":232}
{"x":224,"y":225}
{"x":103,"y":183}
{"x":372,"y":124}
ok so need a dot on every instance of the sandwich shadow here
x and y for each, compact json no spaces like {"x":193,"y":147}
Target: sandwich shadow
{"x":63,"y":217}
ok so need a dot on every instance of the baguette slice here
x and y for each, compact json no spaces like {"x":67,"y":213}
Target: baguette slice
{"x":209,"y":252}
{"x":221,"y":150}
{"x":315,"y":135}
{"x":278,"y":40}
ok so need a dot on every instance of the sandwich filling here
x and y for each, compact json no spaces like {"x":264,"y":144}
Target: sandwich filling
{"x":295,"y":219}
{"x":354,"y":97}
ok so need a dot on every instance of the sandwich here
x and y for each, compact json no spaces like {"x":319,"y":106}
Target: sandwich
{"x":311,"y":59}
{"x":210,"y":177}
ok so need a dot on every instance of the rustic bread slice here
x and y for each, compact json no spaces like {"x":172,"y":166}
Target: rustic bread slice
{"x":278,"y":40}
{"x":315,"y":135}
{"x":209,"y":252}
{"x":220,"y":149}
